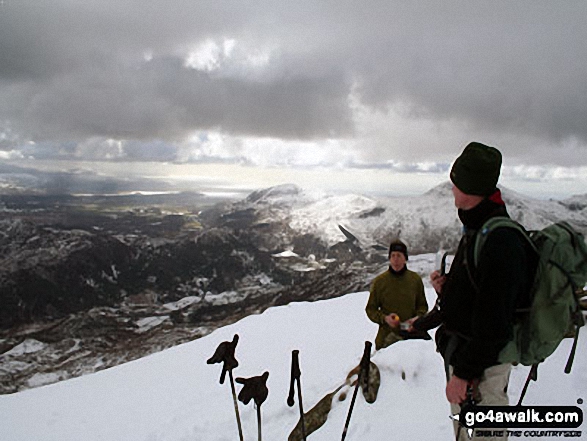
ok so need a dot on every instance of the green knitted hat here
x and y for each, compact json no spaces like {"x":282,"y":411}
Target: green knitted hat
{"x":398,"y":245}
{"x":476,"y":171}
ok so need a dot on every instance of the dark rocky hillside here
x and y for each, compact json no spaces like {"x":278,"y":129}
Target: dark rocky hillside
{"x":87,"y":298}
{"x":89,"y":283}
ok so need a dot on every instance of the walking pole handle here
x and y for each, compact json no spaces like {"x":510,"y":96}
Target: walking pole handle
{"x":366,"y":359}
{"x":295,"y":374}
{"x":443,"y":264}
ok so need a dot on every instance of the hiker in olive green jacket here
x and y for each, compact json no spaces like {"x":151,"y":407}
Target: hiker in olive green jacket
{"x":396,"y":296}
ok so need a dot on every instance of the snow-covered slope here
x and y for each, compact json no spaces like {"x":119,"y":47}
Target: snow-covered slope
{"x":175,"y":396}
{"x":427,"y":222}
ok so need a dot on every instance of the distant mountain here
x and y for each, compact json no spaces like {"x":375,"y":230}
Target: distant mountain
{"x":100,"y":283}
{"x":426,"y":223}
{"x":17,"y":180}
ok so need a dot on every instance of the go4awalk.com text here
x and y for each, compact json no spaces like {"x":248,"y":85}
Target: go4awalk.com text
{"x":529,"y":433}
{"x":526,"y":421}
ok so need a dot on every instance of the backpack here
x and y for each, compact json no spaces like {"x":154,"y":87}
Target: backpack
{"x":554,"y":312}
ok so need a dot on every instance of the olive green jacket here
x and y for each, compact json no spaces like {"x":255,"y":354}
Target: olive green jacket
{"x":401,"y":293}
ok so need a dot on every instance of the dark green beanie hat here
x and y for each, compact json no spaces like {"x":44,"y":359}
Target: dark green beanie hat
{"x":398,"y":245}
{"x":476,"y":171}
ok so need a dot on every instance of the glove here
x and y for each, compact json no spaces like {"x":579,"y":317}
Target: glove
{"x":254,"y":388}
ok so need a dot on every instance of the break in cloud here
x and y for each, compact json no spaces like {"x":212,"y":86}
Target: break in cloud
{"x":323,"y":82}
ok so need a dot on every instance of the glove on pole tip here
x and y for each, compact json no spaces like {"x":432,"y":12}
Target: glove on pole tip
{"x":225,"y":354}
{"x":254,"y":388}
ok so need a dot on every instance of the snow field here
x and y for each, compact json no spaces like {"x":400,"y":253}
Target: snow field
{"x":175,"y":396}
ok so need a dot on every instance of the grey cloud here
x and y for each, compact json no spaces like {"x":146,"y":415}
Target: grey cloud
{"x":75,"y":70}
{"x":503,"y":66}
{"x":163,"y":99}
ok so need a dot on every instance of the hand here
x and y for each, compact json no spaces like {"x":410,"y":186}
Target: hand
{"x":437,"y":281}
{"x":456,"y":390}
{"x":410,"y":322}
{"x":392,"y":320}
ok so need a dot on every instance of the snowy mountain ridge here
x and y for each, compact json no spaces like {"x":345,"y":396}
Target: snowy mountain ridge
{"x":425,"y":222}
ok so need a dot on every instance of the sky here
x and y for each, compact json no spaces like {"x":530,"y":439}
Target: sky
{"x":378,"y":96}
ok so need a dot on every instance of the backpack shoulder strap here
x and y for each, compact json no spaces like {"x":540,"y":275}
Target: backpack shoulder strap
{"x":491,"y":225}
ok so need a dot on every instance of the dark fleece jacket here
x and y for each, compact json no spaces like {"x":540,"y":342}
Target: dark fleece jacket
{"x":478,"y":304}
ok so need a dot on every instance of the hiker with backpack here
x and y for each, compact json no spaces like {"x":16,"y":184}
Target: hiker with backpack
{"x":478,"y":302}
{"x":396,"y":298}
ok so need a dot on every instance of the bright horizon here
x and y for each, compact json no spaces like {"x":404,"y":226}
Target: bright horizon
{"x":233,"y":179}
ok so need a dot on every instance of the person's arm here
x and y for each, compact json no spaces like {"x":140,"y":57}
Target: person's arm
{"x":456,"y":390}
{"x":373,"y":308}
{"x":500,"y":278}
{"x":421,"y":302}
{"x":437,"y":281}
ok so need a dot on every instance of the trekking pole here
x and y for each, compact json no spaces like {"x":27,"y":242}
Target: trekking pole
{"x":432,"y":318}
{"x":225,"y":354}
{"x":443,"y":264}
{"x":575,"y":341}
{"x":259,"y":436}
{"x":235,"y":403}
{"x":470,"y":401}
{"x":295,"y":377}
{"x":532,"y":376}
{"x":363,"y":373}
{"x":254,"y":388}
{"x":578,"y":321}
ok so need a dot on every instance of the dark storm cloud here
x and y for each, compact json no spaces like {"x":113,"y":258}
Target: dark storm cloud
{"x":163,"y":99}
{"x":70,"y":71}
{"x":77,"y":70}
{"x":504,"y":65}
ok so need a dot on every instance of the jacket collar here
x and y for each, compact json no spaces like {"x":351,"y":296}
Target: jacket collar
{"x":398,"y":273}
{"x":491,"y":206}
